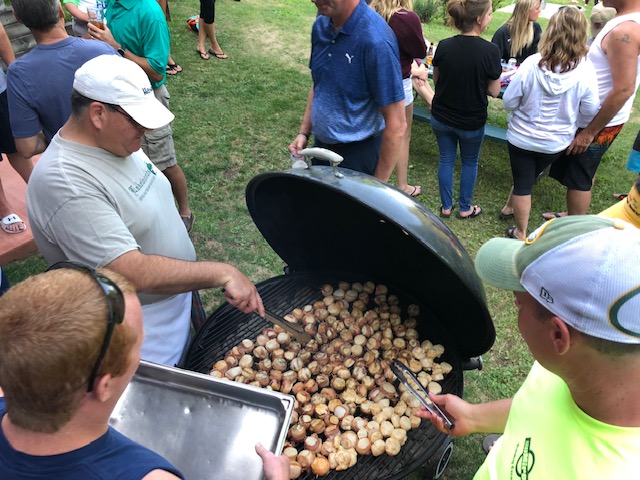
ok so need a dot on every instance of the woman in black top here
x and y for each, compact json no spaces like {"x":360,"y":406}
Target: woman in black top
{"x":465,"y":69}
{"x":519,"y":36}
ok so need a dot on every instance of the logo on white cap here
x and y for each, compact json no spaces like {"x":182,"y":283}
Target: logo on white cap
{"x":617,"y":306}
{"x":545,"y":295}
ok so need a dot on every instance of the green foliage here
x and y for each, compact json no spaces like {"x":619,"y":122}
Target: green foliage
{"x":427,"y":10}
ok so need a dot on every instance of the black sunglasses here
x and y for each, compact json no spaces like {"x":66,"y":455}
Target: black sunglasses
{"x":115,"y":302}
{"x":120,"y":110}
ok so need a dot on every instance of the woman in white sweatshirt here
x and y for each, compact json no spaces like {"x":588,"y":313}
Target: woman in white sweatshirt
{"x":546,"y":96}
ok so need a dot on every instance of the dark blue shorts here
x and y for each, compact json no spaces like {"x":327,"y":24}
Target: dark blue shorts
{"x":577,"y":171}
{"x":7,"y":145}
{"x":360,"y":156}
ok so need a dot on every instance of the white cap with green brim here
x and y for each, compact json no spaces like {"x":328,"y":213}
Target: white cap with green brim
{"x":584,"y":269}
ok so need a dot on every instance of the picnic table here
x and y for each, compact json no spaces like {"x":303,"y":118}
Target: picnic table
{"x":492,"y":132}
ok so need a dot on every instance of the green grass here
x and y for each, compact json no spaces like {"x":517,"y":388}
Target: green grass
{"x":234,"y":120}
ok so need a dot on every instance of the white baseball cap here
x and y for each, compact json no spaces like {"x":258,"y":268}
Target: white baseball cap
{"x":115,"y":80}
{"x":584,"y":269}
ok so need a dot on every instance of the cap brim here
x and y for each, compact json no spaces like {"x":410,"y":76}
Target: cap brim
{"x":151,"y":114}
{"x":496,"y":263}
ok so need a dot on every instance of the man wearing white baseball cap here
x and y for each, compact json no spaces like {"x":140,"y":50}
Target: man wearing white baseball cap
{"x":97,"y":199}
{"x":576,"y":282}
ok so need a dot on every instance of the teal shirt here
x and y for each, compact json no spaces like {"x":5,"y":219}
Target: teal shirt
{"x":140,"y":27}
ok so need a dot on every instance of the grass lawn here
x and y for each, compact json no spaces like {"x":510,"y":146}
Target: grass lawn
{"x":235,"y":119}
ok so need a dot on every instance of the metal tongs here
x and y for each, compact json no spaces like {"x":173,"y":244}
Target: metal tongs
{"x":293,"y":329}
{"x":400,"y":369}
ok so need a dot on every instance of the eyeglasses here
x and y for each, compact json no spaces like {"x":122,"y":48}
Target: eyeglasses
{"x":118,"y":108}
{"x":115,"y":302}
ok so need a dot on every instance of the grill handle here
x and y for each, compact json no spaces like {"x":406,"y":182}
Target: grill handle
{"x":474,"y":363}
{"x":323,"y":154}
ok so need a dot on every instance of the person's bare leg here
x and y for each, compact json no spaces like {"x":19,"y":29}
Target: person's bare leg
{"x":521,"y":210}
{"x":210,"y":31}
{"x":178,"y":182}
{"x":578,"y":201}
{"x":24,"y":166}
{"x":5,"y":209}
{"x":508,"y":207}
{"x":202,"y":37}
{"x":403,"y":159}
{"x":424,"y":90}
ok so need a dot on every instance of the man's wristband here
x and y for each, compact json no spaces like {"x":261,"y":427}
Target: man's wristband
{"x":306,"y":134}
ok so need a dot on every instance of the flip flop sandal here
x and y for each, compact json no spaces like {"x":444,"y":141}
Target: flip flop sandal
{"x":476,"y":211}
{"x":551,"y":215}
{"x":489,"y":441}
{"x":188,"y":221}
{"x":445,"y":215}
{"x":505,"y":216}
{"x":170,"y":71}
{"x":175,"y":66}
{"x":12,"y":219}
{"x":219,"y":56}
{"x":417,"y":190}
{"x":203,"y":55}
{"x":619,"y":196}
{"x":511,"y":232}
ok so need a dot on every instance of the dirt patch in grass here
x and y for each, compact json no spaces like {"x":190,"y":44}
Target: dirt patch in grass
{"x":231,"y":173}
{"x":287,"y":48}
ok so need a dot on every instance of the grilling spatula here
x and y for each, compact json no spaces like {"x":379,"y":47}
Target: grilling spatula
{"x":294,"y":329}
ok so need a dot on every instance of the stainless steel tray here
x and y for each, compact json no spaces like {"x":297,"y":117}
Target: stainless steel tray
{"x":204,"y":426}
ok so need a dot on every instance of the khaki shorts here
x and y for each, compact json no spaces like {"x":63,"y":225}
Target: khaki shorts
{"x":158,"y":143}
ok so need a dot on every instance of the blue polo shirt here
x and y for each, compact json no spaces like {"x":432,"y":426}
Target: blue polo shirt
{"x":355,"y":72}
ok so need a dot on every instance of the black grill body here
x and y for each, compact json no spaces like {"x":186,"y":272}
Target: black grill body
{"x":354,"y":228}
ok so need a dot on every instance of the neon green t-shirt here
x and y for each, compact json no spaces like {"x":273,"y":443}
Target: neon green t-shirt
{"x":548,"y":437}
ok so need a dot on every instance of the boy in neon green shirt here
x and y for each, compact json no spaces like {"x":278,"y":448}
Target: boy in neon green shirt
{"x":576,"y":282}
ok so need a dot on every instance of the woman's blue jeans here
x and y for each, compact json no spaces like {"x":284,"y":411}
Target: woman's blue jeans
{"x":470,"y":142}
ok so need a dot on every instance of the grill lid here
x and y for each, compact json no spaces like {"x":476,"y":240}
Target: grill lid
{"x":316,"y":221}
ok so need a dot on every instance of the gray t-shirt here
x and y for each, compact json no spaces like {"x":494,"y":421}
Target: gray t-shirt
{"x":90,"y":206}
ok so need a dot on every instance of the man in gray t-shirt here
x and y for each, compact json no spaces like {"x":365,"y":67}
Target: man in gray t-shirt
{"x":96,"y":198}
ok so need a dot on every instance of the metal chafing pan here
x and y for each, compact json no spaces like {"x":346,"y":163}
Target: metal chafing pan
{"x":206,"y":427}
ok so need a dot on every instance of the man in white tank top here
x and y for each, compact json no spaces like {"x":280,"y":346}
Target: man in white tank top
{"x":615,"y":53}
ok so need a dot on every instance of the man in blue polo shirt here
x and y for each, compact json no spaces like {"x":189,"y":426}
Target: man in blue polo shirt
{"x":356,"y":103}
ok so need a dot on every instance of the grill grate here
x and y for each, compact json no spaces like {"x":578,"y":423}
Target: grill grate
{"x":227,"y":327}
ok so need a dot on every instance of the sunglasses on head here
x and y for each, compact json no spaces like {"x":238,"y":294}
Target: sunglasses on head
{"x":115,"y":303}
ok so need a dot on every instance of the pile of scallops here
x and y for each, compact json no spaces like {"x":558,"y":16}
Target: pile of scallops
{"x":347,"y":404}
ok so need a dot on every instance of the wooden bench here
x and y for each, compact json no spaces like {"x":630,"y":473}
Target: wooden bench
{"x":492,"y":132}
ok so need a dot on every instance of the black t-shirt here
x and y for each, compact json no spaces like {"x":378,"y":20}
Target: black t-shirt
{"x":465,"y":65}
{"x":502,"y":39}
